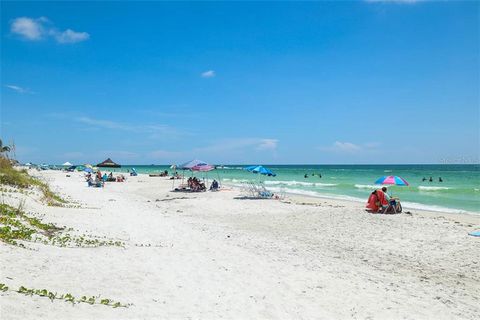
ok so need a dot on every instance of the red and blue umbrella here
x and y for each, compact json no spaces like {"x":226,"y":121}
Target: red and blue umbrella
{"x":393,"y":180}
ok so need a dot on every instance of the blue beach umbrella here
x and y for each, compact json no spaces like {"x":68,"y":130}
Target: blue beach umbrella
{"x":261,"y":170}
{"x":89,"y":170}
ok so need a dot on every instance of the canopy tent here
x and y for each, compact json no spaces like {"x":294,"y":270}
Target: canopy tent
{"x":67,"y":164}
{"x":203,"y":168}
{"x":192,"y":163}
{"x":108,"y":164}
{"x":195,"y":165}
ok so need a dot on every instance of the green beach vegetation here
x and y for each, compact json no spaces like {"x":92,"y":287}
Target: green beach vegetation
{"x":16,"y":225}
{"x":67,"y":297}
{"x":18,"y":228}
{"x":19,"y":178}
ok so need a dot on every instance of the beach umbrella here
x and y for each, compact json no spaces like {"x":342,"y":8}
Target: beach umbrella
{"x":89,"y":170}
{"x":392,"y":180}
{"x":192,"y":163}
{"x":261,"y":170}
{"x":67,"y":164}
{"x":108,"y":163}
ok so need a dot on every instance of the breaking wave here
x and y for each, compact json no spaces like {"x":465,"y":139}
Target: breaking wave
{"x":366,"y":186}
{"x":299,"y":183}
{"x":430,"y":188}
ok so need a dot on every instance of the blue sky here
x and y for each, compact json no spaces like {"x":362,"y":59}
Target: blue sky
{"x":312,"y":82}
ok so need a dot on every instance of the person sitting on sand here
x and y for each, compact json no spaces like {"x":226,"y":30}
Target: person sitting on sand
{"x":387,"y":196}
{"x":393,"y":203}
{"x":98,"y":182}
{"x":214,"y":186}
{"x":376,"y":201}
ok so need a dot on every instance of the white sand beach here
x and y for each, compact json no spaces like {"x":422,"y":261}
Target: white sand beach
{"x":212,"y":255}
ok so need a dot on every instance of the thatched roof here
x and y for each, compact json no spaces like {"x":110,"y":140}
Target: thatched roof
{"x":109,"y":163}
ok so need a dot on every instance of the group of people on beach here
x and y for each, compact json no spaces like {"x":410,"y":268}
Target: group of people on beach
{"x":98,"y":180}
{"x":195,"y":184}
{"x":380,"y":201}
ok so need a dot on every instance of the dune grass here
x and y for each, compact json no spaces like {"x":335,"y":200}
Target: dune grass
{"x":21,"y":179}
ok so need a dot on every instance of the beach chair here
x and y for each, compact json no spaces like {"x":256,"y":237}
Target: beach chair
{"x":261,"y":192}
{"x":394,"y":206}
{"x":248,"y":189}
{"x":98,"y":184}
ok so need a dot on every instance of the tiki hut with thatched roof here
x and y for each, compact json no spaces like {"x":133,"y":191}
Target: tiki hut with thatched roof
{"x":108,"y":164}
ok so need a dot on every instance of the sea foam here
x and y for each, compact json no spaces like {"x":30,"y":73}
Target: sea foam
{"x":366,"y":186}
{"x":300,"y":183}
{"x":431,"y":188}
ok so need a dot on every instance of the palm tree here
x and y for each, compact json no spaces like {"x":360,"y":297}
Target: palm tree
{"x":3,"y":148}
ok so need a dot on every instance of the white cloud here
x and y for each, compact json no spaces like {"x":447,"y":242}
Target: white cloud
{"x":267,"y":144}
{"x":70,"y":36}
{"x":155,"y":132}
{"x":260,"y":144}
{"x":107,"y":124}
{"x":346,"y":146}
{"x":208,"y":74}
{"x":238,"y":146}
{"x":41,"y":28}
{"x":349,"y":147}
{"x":18,"y":89}
{"x":30,"y":29}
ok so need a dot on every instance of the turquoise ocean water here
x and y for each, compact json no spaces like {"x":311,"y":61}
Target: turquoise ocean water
{"x":459,"y":191}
